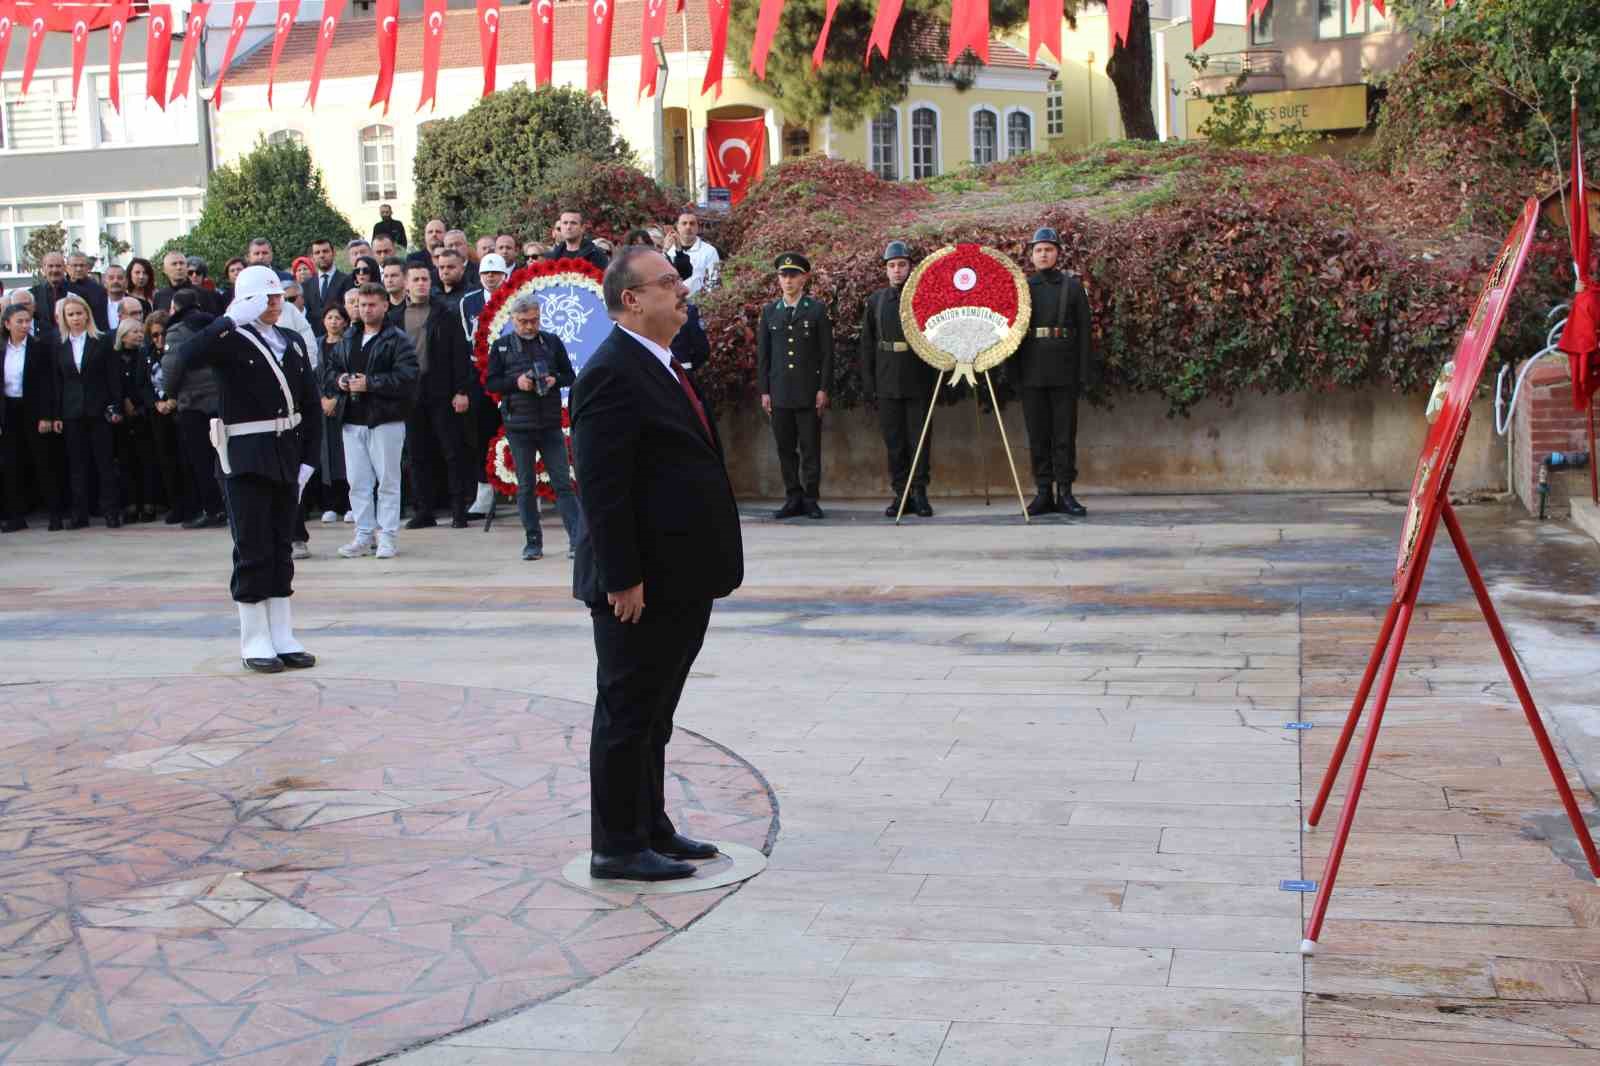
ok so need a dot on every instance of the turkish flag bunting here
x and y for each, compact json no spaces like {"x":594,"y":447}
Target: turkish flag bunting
{"x":1258,"y":6}
{"x":241,"y":18}
{"x":387,"y":24}
{"x":1121,"y":12}
{"x":489,"y":40}
{"x":969,"y":28}
{"x":30,"y":58}
{"x":652,"y":24}
{"x":599,"y":41}
{"x":191,"y":41}
{"x":120,"y":10}
{"x":882,"y":29}
{"x":736,"y":154}
{"x":8,"y":18}
{"x":157,"y":52}
{"x":766,"y":29}
{"x":432,"y":41}
{"x":717,"y":15}
{"x":1204,"y":13}
{"x":78,"y":16}
{"x":1044,"y":28}
{"x":1581,"y":335}
{"x":543,"y":13}
{"x":287,"y":12}
{"x":331,"y":10}
{"x":822,"y":38}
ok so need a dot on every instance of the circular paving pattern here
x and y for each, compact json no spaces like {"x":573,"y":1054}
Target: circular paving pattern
{"x":310,"y":871}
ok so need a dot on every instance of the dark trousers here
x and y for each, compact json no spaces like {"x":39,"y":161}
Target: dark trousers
{"x":174,"y":483}
{"x":483,"y":422}
{"x":798,"y":432}
{"x":24,"y":450}
{"x":200,"y":458}
{"x":641,"y":670}
{"x":433,"y":433}
{"x":1051,"y":416}
{"x":261,"y":515}
{"x":136,"y":463}
{"x":901,"y":422}
{"x":527,"y":447}
{"x":90,"y":454}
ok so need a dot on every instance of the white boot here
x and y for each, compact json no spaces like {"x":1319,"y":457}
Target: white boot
{"x":255,"y":639}
{"x":288,"y":650}
{"x":483,"y":502}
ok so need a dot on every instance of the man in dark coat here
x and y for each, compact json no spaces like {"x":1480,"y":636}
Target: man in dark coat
{"x":327,"y":288}
{"x":389,"y":226}
{"x":573,"y":243}
{"x":53,"y":267}
{"x":267,"y":437}
{"x":435,"y":425}
{"x":901,"y":384}
{"x":661,"y":543}
{"x":1049,"y":369}
{"x":794,"y":371}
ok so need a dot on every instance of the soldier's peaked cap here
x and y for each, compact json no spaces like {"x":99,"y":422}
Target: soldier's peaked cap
{"x":1045,"y":235}
{"x":896,"y":250}
{"x":792,"y":261}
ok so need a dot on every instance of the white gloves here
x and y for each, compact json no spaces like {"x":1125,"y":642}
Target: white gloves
{"x":247,"y":309}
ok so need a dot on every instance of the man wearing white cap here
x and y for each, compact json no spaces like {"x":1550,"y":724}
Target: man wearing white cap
{"x":266,"y":443}
{"x":484,"y":421}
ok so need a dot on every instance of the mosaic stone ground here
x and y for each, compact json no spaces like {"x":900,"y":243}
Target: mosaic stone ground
{"x":306,"y":872}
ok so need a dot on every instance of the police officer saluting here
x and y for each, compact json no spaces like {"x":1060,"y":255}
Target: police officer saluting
{"x":267,"y":440}
{"x":1050,"y":368}
{"x":794,"y":368}
{"x":893,"y":376}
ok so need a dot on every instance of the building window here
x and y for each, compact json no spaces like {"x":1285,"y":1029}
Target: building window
{"x":18,"y":221}
{"x":43,"y":119}
{"x":796,"y":142}
{"x":377,"y":164}
{"x":985,"y":136}
{"x":1055,"y":123}
{"x":148,"y":223}
{"x":924,"y":143}
{"x":1261,"y":25}
{"x":286,"y":137}
{"x":886,"y":145}
{"x":1019,"y":133}
{"x":1335,"y":20}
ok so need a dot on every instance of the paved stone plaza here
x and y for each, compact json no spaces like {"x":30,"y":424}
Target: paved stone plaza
{"x":1028,"y":794}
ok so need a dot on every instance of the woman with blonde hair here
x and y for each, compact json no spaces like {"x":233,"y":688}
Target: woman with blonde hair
{"x":88,"y":403}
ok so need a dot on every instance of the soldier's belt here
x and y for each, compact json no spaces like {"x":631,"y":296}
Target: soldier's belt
{"x":222,"y":432}
{"x":1053,"y":331}
{"x":893,"y":346}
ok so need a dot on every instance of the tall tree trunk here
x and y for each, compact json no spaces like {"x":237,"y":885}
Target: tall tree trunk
{"x":1130,"y":70}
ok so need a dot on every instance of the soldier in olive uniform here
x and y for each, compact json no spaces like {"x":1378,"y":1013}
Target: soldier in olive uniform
{"x":1049,"y":369}
{"x":901,"y":384}
{"x":794,"y":369}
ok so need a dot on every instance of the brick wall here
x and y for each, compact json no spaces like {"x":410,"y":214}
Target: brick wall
{"x":1546,"y":422}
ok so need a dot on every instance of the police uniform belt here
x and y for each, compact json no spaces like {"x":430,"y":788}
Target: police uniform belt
{"x":893,"y":346}
{"x":222,"y":432}
{"x":1053,"y":331}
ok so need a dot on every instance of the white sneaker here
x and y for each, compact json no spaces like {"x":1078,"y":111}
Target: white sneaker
{"x":349,"y":518}
{"x":330,"y":518}
{"x":386,"y":548}
{"x":301,"y":550}
{"x":356,"y":549}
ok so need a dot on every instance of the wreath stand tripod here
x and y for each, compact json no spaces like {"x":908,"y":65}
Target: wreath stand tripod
{"x":905,"y":494}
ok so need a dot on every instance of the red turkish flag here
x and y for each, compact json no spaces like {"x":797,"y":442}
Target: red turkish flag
{"x":241,"y":16}
{"x":1204,"y":13}
{"x":969,"y":28}
{"x":387,"y":25}
{"x":1258,"y":6}
{"x":78,"y":16}
{"x":599,"y":41}
{"x":30,"y":58}
{"x":7,"y":20}
{"x":1044,"y":28}
{"x":191,"y":41}
{"x":543,"y":13}
{"x":287,"y":11}
{"x":1121,"y":12}
{"x":118,"y":32}
{"x":717,"y":15}
{"x":652,"y":24}
{"x":882,"y":29}
{"x":736,"y":154}
{"x":432,"y":41}
{"x":157,"y":52}
{"x":822,"y":38}
{"x":766,"y":29}
{"x":1581,"y":336}
{"x":489,"y":40}
{"x":331,"y":10}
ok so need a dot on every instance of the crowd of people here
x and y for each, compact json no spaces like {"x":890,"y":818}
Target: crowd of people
{"x":89,"y":426}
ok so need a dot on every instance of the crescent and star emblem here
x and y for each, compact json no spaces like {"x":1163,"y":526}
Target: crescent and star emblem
{"x":544,"y":7}
{"x":435,"y":22}
{"x":158,"y":26}
{"x":491,"y":19}
{"x":733,"y":142}
{"x":116,"y":32}
{"x":600,"y":9}
{"x":283,"y":25}
{"x":388,"y":25}
{"x":78,"y":30}
{"x":194,"y":25}
{"x":328,"y":25}
{"x":38,"y":27}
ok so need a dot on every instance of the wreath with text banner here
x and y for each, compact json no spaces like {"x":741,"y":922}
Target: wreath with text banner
{"x":531,"y":279}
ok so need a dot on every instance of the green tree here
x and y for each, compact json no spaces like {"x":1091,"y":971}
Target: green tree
{"x":274,"y":191}
{"x":475,"y":170}
{"x":40,"y":243}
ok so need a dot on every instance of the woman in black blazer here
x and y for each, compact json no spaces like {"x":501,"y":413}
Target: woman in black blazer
{"x":27,"y":420}
{"x":88,"y":404}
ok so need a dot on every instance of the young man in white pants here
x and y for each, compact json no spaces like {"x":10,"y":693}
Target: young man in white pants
{"x":370,"y":379}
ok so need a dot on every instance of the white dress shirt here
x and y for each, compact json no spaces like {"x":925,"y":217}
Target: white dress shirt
{"x":114,"y":311}
{"x":706,"y":264}
{"x":664,"y":355}
{"x":77,"y":350}
{"x":15,"y":355}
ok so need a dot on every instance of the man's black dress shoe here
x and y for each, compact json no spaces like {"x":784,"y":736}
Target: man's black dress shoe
{"x":422,"y":521}
{"x":893,"y":510}
{"x":643,"y":865}
{"x":1043,"y":503}
{"x":1068,"y":504}
{"x":813,"y":510}
{"x":920,"y":504}
{"x":678,"y":846}
{"x":297,"y":660}
{"x":113,"y":521}
{"x":78,"y":523}
{"x":793,"y":507}
{"x":199,"y":520}
{"x":55,"y":525}
{"x":16,"y":525}
{"x":264,"y":666}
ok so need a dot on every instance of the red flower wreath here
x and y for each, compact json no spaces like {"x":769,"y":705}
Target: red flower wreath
{"x":992,"y":287}
{"x":508,"y":290}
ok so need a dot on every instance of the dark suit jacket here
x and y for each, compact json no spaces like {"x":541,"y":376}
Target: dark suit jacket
{"x":87,"y":393}
{"x":450,"y":370}
{"x":38,"y":380}
{"x":315,"y":304}
{"x":655,"y":492}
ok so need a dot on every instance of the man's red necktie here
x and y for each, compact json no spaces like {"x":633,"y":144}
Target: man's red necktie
{"x":694,"y":401}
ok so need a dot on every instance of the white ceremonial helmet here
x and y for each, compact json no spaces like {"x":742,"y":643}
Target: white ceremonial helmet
{"x":493,"y":263}
{"x":257,"y":281}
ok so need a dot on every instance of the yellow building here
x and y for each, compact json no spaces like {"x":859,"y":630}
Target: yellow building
{"x":366,"y":156}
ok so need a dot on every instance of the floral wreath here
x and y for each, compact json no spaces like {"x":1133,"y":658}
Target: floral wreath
{"x":965,"y":309}
{"x":498,"y":464}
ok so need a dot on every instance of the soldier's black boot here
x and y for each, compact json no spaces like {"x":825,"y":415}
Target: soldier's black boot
{"x":1043,"y":502}
{"x":920,"y":504}
{"x":792,"y":507}
{"x":893,"y":510}
{"x":1068,"y":503}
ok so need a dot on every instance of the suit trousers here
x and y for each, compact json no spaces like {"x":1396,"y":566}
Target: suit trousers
{"x":798,"y":432}
{"x":372,"y":461}
{"x":433,"y":432}
{"x":1051,"y":416}
{"x":24,"y":450}
{"x":89,"y":445}
{"x":642,"y":667}
{"x":136,"y":459}
{"x":901,"y":422}
{"x":200,"y":459}
{"x":261,"y":515}
{"x":483,"y":422}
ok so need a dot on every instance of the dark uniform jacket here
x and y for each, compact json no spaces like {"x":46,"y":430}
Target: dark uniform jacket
{"x":889,"y":368}
{"x":691,"y":346}
{"x":1061,"y":358}
{"x":248,"y":391}
{"x":450,"y":369}
{"x":392,"y":228}
{"x":509,"y":358}
{"x":212,"y":301}
{"x":87,"y":393}
{"x":390,"y":364}
{"x":794,"y":353}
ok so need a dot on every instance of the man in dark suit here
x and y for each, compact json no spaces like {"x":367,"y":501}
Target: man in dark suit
{"x":434,"y":425}
{"x":53,"y":268}
{"x":661,"y":542}
{"x":80,"y":281}
{"x":329,"y":285}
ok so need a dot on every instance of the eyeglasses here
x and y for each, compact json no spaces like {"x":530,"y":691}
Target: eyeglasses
{"x":666,"y":282}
